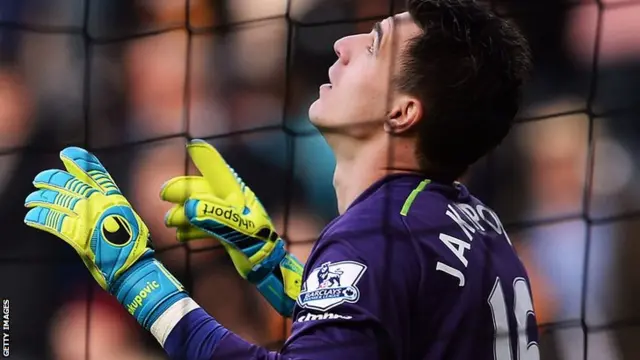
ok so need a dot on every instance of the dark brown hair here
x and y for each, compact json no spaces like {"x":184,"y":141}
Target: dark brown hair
{"x":467,"y":67}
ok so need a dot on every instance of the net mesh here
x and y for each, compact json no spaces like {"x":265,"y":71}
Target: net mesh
{"x":132,"y":81}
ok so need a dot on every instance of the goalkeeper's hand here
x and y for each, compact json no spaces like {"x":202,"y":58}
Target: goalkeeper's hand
{"x":218,"y":204}
{"x":84,"y":207}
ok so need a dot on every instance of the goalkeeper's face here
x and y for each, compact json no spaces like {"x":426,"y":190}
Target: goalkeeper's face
{"x":358,"y":98}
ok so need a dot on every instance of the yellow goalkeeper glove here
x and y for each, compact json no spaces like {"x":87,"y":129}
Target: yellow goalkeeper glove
{"x":84,"y":207}
{"x":218,"y":204}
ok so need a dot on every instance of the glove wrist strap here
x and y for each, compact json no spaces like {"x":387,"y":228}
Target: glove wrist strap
{"x":146,"y":290}
{"x":281,"y":284}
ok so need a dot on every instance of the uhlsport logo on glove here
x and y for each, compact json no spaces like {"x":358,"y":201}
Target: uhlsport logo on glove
{"x":116,"y":230}
{"x":228,"y":214}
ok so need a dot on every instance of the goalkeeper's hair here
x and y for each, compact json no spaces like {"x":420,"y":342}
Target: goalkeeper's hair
{"x":467,"y":67}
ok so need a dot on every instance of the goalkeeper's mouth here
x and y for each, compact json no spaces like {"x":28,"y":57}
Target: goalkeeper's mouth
{"x":325,"y":87}
{"x":329,"y":85}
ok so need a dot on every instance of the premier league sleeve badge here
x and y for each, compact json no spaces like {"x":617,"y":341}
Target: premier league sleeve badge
{"x":331,"y":284}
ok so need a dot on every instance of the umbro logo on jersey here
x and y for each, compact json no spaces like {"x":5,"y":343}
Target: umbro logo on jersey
{"x":324,"y":316}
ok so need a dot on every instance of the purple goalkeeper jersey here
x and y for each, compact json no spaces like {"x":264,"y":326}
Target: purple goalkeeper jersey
{"x":412,"y":270}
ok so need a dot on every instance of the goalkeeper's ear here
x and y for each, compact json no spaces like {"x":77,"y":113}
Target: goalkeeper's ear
{"x":221,"y":178}
{"x":405,"y":113}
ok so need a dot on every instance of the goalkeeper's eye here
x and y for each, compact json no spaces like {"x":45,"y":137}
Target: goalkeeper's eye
{"x":376,"y":34}
{"x":371,"y":49}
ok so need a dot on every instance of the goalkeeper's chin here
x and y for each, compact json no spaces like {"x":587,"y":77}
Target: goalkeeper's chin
{"x":324,"y":117}
{"x":318,"y":115}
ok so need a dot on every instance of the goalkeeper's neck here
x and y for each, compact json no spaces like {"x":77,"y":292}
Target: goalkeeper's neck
{"x":360,"y":163}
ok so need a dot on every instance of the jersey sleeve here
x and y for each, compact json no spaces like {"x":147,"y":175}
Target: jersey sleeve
{"x":187,"y":332}
{"x":198,"y":336}
{"x":339,"y":311}
{"x":345,"y":310}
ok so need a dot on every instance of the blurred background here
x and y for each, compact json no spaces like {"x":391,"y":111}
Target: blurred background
{"x":132,"y":79}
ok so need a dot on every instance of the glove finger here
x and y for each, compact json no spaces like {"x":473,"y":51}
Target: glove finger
{"x":54,"y":222}
{"x":63,"y":182}
{"x":176,"y":217}
{"x":86,"y":167}
{"x":52,"y":199}
{"x":179,"y":189}
{"x":216,"y":171}
{"x":189,"y":233}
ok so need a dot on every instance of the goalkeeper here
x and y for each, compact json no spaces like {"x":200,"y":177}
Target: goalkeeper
{"x":413,"y":268}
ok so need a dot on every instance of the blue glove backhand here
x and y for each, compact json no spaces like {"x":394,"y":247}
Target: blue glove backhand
{"x":84,"y":207}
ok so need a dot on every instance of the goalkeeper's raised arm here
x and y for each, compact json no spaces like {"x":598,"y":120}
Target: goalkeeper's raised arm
{"x":83,"y":206}
{"x":219,"y":204}
{"x":414,"y":267}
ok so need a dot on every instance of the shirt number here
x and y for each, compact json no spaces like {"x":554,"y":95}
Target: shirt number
{"x":522,"y":308}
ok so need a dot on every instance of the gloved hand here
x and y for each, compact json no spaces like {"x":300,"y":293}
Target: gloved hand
{"x":219,"y":204}
{"x":84,"y":207}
